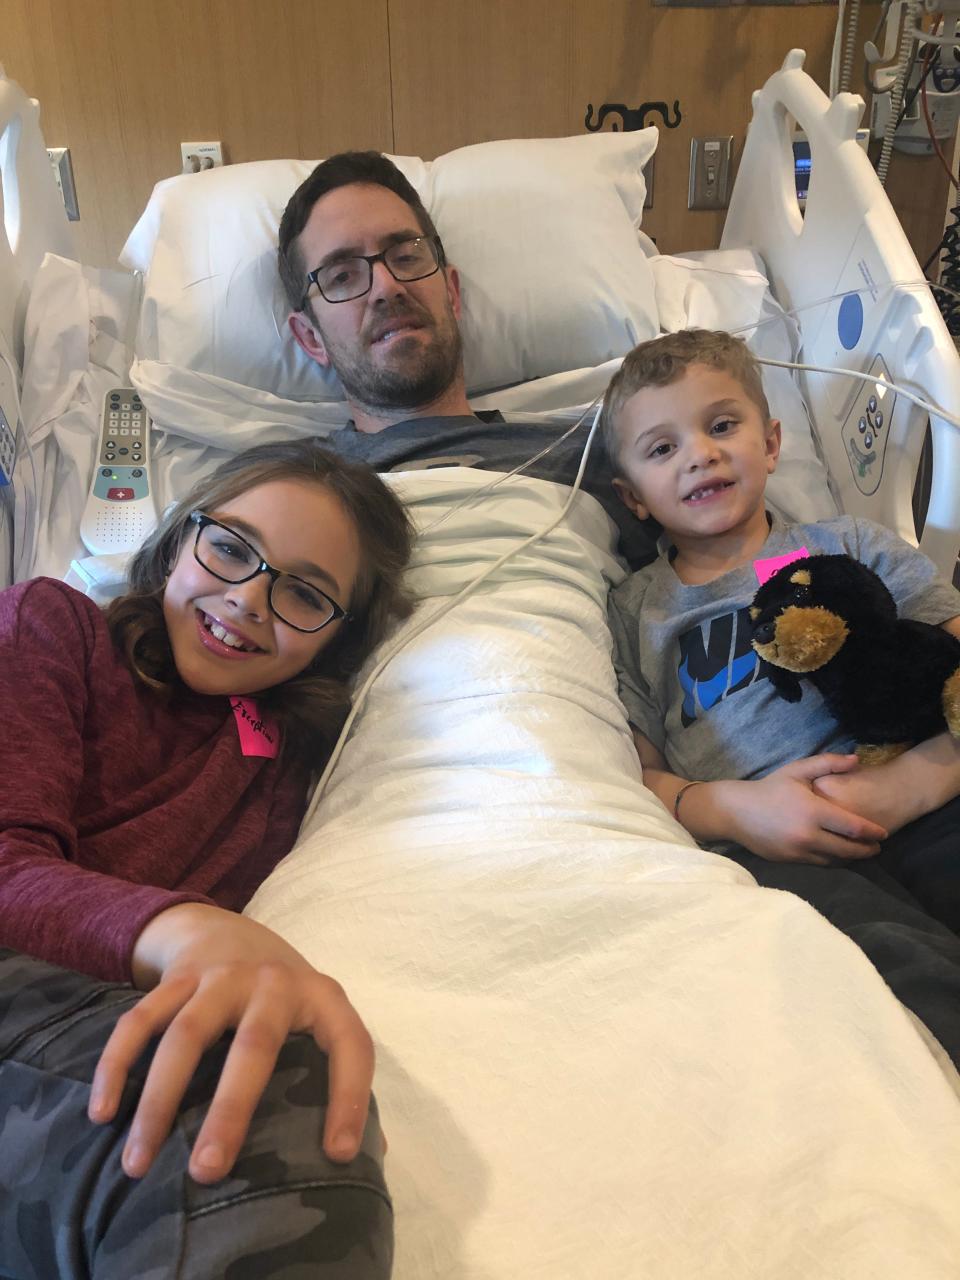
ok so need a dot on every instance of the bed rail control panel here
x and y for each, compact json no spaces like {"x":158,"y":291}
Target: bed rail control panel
{"x":866,"y":428}
{"x":120,"y":510}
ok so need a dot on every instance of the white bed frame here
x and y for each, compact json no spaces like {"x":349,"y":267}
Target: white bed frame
{"x":33,"y":222}
{"x":848,"y":240}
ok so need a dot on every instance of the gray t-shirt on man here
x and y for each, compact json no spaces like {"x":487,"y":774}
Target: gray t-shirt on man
{"x":693,"y":684}
{"x":490,"y":443}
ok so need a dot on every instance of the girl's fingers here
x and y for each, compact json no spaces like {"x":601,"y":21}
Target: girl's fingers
{"x":197,"y":1026}
{"x":246,"y":1072}
{"x":343,"y":1037}
{"x":275,"y":1010}
{"x":192,"y":1015}
{"x":131,"y":1035}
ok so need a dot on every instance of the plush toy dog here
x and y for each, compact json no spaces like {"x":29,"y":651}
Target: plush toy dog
{"x":889,"y":683}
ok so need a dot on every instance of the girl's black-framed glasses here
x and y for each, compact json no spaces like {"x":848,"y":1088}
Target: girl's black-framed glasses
{"x":231,"y":558}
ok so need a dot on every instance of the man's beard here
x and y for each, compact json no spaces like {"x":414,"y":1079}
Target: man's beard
{"x":413,"y":378}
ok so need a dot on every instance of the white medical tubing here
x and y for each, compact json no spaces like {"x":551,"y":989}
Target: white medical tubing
{"x":436,"y":614}
{"x":937,"y":411}
{"x":473,"y":498}
{"x":916,"y":283}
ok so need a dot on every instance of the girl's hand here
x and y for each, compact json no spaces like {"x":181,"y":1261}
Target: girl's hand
{"x":781,"y":818}
{"x":206,"y":970}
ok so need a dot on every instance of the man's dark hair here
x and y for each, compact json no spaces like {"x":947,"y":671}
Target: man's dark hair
{"x":340,"y":171}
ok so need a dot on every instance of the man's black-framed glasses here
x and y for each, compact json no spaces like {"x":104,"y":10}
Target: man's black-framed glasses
{"x":344,"y":279}
{"x":228,"y":556}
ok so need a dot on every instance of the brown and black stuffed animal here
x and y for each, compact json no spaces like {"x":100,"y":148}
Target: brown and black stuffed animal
{"x":889,"y":682}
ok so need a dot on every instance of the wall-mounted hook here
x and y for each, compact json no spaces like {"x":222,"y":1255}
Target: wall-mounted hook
{"x":632,"y":117}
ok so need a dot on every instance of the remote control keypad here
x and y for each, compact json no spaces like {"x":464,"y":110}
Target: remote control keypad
{"x":124,"y":429}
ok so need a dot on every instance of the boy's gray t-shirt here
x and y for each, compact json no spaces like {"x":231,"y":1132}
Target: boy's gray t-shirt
{"x":691,"y":681}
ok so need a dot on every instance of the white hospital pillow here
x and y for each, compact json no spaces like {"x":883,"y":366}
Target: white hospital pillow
{"x":543,"y":232}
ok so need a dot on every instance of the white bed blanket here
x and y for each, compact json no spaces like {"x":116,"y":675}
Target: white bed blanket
{"x":602,"y":1053}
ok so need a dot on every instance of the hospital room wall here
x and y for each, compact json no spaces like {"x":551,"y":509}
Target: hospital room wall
{"x":122,"y":84}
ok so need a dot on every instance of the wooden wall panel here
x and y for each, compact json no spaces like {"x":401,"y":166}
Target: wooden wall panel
{"x":711,"y":62}
{"x":122,"y":84}
{"x":483,"y":69}
{"x":475,"y":70}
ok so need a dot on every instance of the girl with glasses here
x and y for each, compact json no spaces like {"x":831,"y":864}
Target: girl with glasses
{"x":155,"y":760}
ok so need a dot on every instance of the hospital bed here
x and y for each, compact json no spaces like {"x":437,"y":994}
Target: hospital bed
{"x":602,"y":1052}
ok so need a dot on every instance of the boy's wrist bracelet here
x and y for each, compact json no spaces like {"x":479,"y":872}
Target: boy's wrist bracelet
{"x":679,"y":796}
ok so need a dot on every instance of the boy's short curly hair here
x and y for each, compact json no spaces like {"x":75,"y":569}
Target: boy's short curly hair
{"x":660,"y":361}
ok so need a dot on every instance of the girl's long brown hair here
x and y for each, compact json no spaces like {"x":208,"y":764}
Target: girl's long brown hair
{"x":311,"y":706}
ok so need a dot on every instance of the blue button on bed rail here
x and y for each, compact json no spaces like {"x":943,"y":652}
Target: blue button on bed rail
{"x":850,"y":320}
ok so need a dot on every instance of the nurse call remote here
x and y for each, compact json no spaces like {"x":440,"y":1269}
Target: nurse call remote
{"x":120,"y":510}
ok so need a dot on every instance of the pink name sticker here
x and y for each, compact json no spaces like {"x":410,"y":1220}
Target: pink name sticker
{"x":765,"y":569}
{"x":259,"y":735}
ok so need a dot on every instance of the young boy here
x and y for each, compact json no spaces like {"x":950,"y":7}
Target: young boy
{"x":692,"y":442}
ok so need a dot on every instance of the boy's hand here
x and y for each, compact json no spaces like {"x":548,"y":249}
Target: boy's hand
{"x":211,"y":970}
{"x":900,"y":790}
{"x":781,"y":818}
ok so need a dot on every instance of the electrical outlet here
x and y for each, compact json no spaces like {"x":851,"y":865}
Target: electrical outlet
{"x":710,"y":160}
{"x":195,"y":156}
{"x":62,"y":167}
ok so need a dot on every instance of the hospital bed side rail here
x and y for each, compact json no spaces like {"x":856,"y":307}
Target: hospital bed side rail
{"x":845,"y":270}
{"x":33,"y":222}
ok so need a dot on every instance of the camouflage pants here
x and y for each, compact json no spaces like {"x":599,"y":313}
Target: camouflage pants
{"x":68,"y":1211}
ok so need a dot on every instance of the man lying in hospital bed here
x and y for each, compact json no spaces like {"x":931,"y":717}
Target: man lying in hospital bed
{"x":373,"y":297}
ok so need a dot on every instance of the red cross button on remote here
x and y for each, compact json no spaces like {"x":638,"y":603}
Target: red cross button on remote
{"x":120,"y":495}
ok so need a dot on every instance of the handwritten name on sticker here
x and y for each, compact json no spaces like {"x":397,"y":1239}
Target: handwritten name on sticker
{"x":765,"y":569}
{"x":259,"y":735}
